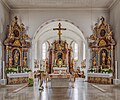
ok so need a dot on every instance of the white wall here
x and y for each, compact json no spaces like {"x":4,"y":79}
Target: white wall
{"x":115,"y":23}
{"x":81,"y":18}
{"x":4,"y":21}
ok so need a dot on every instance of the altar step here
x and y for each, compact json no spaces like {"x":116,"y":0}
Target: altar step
{"x":79,"y":80}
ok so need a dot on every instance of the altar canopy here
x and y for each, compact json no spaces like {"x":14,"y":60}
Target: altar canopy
{"x":59,"y":54}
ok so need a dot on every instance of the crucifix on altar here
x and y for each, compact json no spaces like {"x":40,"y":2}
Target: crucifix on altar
{"x":59,"y":54}
{"x":59,"y":30}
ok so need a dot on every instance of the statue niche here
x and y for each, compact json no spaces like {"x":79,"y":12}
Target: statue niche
{"x":59,"y":55}
{"x":16,"y":57}
{"x":103,"y":57}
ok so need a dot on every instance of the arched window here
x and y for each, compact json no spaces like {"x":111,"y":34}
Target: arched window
{"x":75,"y":51}
{"x":84,"y":51}
{"x":44,"y":49}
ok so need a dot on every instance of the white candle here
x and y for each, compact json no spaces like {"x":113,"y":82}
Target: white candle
{"x":116,"y":69}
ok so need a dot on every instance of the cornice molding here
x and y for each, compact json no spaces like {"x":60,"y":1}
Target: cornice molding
{"x":62,"y":9}
{"x":113,"y":4}
{"x":5,"y":4}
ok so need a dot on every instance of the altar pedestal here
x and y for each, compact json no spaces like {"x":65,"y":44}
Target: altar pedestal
{"x":59,"y":82}
{"x":17,"y":78}
{"x":100,"y":78}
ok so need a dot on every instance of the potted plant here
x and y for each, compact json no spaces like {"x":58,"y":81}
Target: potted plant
{"x":92,"y":70}
{"x":30,"y":81}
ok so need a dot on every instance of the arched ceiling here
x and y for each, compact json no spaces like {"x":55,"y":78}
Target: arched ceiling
{"x":30,"y":4}
{"x":46,"y":32}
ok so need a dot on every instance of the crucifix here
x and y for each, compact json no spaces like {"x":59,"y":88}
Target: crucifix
{"x":59,"y":30}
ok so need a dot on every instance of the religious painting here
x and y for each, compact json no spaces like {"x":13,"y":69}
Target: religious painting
{"x":102,"y":33}
{"x":16,"y":57}
{"x":59,"y":55}
{"x":16,"y":33}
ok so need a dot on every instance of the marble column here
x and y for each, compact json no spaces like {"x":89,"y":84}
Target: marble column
{"x":87,"y":60}
{"x":33,"y":54}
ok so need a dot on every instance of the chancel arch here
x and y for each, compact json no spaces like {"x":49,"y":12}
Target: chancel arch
{"x":46,"y":33}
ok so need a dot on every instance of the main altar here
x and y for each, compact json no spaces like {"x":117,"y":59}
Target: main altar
{"x":102,"y":47}
{"x":59,"y":63}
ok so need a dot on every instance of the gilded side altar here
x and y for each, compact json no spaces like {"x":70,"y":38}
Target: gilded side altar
{"x":16,"y":45}
{"x":102,"y":47}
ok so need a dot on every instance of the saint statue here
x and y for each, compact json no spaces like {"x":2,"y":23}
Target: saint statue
{"x":16,"y":57}
{"x":73,"y":62}
{"x":109,"y":61}
{"x":24,"y":61}
{"x":94,"y":61}
{"x":10,"y":61}
{"x":103,"y":57}
{"x":60,"y":62}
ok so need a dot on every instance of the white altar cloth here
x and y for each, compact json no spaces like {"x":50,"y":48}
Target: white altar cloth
{"x":15,"y":75}
{"x":100,"y":75}
{"x":61,"y":70}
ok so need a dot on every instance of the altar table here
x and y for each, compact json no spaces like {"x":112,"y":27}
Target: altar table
{"x":60,"y":80}
{"x":102,"y":78}
{"x":17,"y":78}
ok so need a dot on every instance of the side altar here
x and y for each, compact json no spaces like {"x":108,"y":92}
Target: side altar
{"x":102,"y":47}
{"x":17,"y":45}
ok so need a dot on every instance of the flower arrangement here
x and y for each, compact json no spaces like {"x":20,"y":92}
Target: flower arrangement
{"x":26,"y":70}
{"x":92,"y":70}
{"x":30,"y":81}
{"x":64,"y":66}
{"x":11,"y":70}
{"x":55,"y":65}
{"x":107,"y":70}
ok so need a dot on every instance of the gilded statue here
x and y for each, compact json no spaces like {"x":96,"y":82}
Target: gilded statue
{"x":16,"y":57}
{"x":60,"y":62}
{"x":35,"y":63}
{"x":24,"y":61}
{"x":73,"y":62}
{"x":103,"y":57}
{"x":109,"y":61}
{"x":83,"y":63}
{"x":10,"y":61}
{"x":94,"y":61}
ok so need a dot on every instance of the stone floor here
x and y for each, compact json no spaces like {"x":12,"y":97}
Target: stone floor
{"x":82,"y":91}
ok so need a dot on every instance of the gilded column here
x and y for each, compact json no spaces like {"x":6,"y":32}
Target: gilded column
{"x":112,"y":59}
{"x":7,"y":51}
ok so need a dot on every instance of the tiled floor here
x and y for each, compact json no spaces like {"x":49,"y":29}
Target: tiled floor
{"x":82,"y":91}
